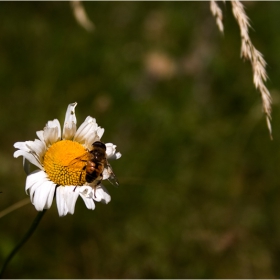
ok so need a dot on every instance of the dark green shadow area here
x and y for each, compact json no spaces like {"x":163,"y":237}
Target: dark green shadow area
{"x":199,"y":193}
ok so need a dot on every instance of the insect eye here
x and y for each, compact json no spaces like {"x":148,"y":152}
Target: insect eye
{"x":99,"y":144}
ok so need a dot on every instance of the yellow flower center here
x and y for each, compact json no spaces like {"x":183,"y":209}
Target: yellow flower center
{"x":65,"y":163}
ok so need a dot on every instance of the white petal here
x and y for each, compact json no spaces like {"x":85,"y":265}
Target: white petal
{"x":42,"y":194}
{"x":53,"y":124}
{"x":100,"y":132}
{"x":101,"y":194}
{"x":34,"y":180}
{"x":40,"y":135}
{"x":52,"y":132}
{"x":85,"y":127}
{"x":86,"y":193}
{"x":66,"y":198}
{"x":92,"y":136}
{"x":71,"y":194}
{"x":111,"y":151}
{"x":69,"y":128}
{"x":87,"y":132}
{"x":114,"y":156}
{"x":38,"y":147}
{"x":60,"y":201}
{"x":30,"y":157}
{"x":35,"y":149}
{"x":21,"y":146}
{"x":118,"y":155}
{"x":88,"y":202}
{"x":33,"y":189}
{"x":52,"y":187}
{"x":35,"y":176}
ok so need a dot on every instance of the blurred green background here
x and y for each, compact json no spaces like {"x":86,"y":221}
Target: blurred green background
{"x":199,"y":193}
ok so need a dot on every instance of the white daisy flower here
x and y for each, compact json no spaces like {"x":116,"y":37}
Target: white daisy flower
{"x":71,"y":163}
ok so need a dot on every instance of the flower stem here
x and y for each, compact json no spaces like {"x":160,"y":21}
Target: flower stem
{"x":24,"y":239}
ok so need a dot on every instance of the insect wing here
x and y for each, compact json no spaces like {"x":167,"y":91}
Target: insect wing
{"x":112,"y":177}
{"x":113,"y":180}
{"x":78,"y":160}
